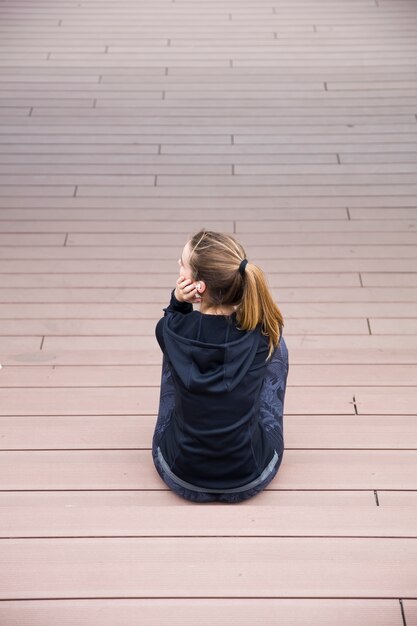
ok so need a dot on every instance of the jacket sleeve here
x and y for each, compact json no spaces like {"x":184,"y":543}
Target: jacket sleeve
{"x":166,"y":404}
{"x":175,"y":306}
{"x":273,"y":394}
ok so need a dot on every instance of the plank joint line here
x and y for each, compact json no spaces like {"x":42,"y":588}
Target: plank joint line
{"x":402,"y":611}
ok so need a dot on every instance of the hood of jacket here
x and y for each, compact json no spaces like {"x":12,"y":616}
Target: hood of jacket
{"x":210,"y":368}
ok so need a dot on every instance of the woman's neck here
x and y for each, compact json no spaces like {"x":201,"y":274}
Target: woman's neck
{"x":226,"y":310}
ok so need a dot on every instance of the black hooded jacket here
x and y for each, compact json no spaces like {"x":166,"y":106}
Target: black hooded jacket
{"x":214,"y":440}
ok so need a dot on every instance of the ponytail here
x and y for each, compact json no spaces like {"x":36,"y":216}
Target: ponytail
{"x":217,"y":259}
{"x":258,"y":307}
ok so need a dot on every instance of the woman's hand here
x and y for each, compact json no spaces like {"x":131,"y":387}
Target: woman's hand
{"x":186,"y":291}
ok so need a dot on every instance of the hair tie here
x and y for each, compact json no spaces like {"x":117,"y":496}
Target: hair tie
{"x":242,"y":266}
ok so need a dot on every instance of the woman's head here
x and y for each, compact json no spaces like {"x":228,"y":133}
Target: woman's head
{"x":213,"y":259}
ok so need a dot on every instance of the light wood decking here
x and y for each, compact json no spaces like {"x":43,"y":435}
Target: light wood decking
{"x":125,"y":126}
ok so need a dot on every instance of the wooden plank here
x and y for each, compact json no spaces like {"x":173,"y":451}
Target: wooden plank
{"x":357,"y":226}
{"x":161,"y":191}
{"x":207,"y":612}
{"x":117,"y":376}
{"x":397,"y":498}
{"x":77,"y":517}
{"x":380,"y":158}
{"x":343,"y":343}
{"x":338,"y":137}
{"x":125,"y":172}
{"x":37,"y":190}
{"x":393,"y":326}
{"x":13,"y":354}
{"x":199,"y":202}
{"x":15,"y":111}
{"x":86,"y":213}
{"x":63,"y":179}
{"x":164,"y":160}
{"x":386,"y":213}
{"x":220,"y":138}
{"x":27,"y":239}
{"x":92,"y":213}
{"x":278,"y":180}
{"x":106,"y":226}
{"x":77,"y":568}
{"x":394,"y":279}
{"x":399,"y":122}
{"x":8,"y":344}
{"x":375,"y":401}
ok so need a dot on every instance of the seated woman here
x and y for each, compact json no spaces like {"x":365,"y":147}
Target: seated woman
{"x":219,"y":432}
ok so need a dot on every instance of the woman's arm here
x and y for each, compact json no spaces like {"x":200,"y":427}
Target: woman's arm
{"x":178,"y":306}
{"x":271,"y":408}
{"x":166,"y":402}
{"x":175,"y":306}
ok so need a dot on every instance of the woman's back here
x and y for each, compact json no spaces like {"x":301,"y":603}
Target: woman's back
{"x":215,"y":373}
{"x":215,"y":433}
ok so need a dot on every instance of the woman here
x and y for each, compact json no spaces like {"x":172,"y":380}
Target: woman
{"x":219,"y":433}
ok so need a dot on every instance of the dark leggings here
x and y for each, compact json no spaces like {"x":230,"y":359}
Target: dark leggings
{"x":270,"y":416}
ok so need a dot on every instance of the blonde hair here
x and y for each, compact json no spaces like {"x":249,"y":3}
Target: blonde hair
{"x":215,"y":258}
